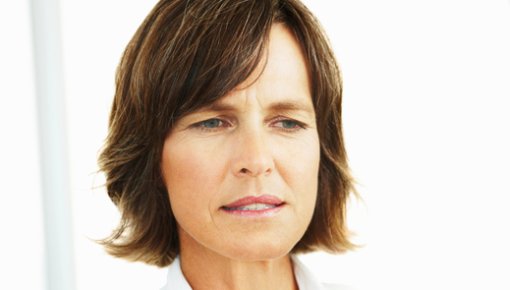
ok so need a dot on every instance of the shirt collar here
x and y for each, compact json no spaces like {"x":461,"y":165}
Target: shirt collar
{"x":175,"y":279}
{"x":304,"y":278}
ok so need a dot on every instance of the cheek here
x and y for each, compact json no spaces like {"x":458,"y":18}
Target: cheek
{"x":310,"y":175}
{"x":191,"y":178}
{"x":299,"y":166}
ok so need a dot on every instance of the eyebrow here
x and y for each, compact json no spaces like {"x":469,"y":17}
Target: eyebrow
{"x":285,"y":106}
{"x":291,"y":106}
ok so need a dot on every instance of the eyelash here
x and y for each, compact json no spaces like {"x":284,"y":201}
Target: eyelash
{"x":297,"y":125}
{"x":201,"y":125}
{"x":225,"y":124}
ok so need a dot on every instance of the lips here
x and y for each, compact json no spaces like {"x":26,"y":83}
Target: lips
{"x":254,"y":205}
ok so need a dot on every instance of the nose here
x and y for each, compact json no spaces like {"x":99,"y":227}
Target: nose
{"x":252,"y":156}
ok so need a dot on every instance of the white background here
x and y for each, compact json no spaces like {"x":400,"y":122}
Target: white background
{"x":427,"y":128}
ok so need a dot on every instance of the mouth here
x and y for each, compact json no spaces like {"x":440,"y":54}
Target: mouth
{"x":254,"y":206}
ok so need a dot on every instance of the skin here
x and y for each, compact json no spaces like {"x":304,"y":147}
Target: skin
{"x":260,"y":139}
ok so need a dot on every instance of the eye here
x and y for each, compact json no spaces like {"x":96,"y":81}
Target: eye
{"x":289,"y":125}
{"x":212,"y":124}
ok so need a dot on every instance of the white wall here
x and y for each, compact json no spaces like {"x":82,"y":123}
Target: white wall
{"x":427,"y":130}
{"x":427,"y":96}
{"x":21,"y":237}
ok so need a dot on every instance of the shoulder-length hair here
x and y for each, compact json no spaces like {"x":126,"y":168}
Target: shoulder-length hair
{"x":188,"y":54}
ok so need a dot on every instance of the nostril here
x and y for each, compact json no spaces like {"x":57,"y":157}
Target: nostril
{"x":255,"y":171}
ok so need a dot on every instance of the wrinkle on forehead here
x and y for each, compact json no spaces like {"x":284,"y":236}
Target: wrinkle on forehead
{"x":280,"y":82}
{"x":282,"y":47}
{"x":282,"y":63}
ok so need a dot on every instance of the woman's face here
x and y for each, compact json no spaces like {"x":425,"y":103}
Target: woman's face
{"x":242,"y":173}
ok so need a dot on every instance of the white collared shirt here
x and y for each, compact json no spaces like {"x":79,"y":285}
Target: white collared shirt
{"x":305,"y":279}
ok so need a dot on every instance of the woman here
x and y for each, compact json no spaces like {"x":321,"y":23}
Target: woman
{"x":225,"y":153}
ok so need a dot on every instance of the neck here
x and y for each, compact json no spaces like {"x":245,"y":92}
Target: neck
{"x":209,"y":270}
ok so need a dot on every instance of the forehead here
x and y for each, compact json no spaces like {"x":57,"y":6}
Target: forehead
{"x":283,"y":58}
{"x":280,"y":79}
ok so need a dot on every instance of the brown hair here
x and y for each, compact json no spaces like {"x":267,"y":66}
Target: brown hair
{"x":188,"y":54}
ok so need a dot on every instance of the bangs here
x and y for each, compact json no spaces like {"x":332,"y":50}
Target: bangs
{"x":205,"y":57}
